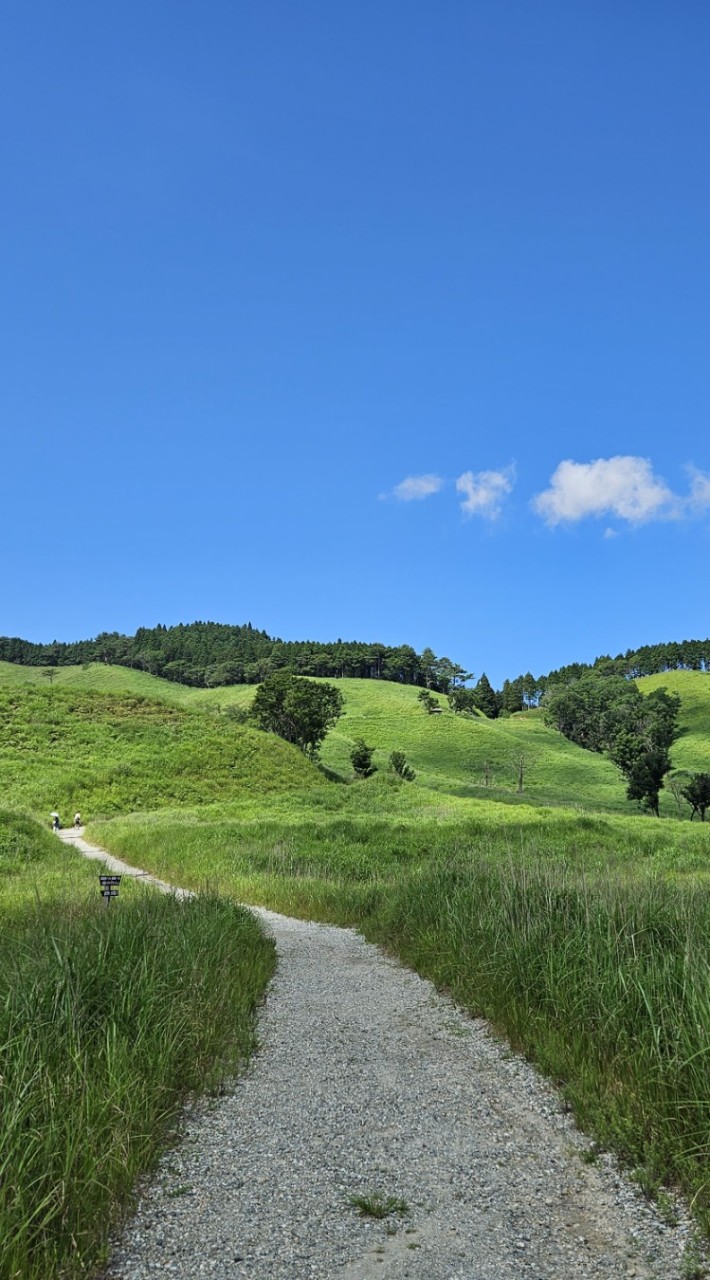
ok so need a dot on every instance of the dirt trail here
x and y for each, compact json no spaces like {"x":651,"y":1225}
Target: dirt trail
{"x":74,"y":837}
{"x":370,"y":1083}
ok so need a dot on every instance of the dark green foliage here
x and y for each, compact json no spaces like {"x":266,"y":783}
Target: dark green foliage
{"x":638,"y":724}
{"x":398,"y":760}
{"x":650,"y":659}
{"x":512,"y":695}
{"x":462,"y":699}
{"x":607,"y":713}
{"x":213,"y":654}
{"x":646,"y":776}
{"x":697,"y":793}
{"x":361,"y":759}
{"x":592,"y":711}
{"x":300,"y":711}
{"x":449,"y":674}
{"x":485,"y":698}
{"x":428,"y":701}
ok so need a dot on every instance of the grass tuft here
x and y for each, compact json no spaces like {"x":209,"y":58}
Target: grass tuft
{"x":377,"y":1205}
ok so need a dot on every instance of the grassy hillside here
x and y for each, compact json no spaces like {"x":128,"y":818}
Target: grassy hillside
{"x":66,"y":749}
{"x":448,"y":752}
{"x":451,"y":754}
{"x":96,"y":677}
{"x":692,"y":750}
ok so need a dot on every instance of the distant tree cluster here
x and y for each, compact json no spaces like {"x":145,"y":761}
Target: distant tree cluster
{"x":694,"y":788}
{"x":609,"y":714}
{"x":651,"y":659}
{"x":361,"y":760}
{"x":214,"y":654}
{"x":302,"y":711}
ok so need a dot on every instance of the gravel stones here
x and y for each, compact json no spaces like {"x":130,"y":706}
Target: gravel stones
{"x":367,"y":1081}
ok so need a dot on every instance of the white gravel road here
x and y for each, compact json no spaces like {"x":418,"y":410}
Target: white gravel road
{"x":369,"y":1082}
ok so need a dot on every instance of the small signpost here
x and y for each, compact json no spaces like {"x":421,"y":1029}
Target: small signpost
{"x":109,"y":888}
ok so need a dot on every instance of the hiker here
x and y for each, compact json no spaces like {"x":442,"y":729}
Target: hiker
{"x":56,"y":824}
{"x":77,"y":820}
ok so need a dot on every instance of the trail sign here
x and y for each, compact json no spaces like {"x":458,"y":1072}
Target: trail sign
{"x":109,"y":887}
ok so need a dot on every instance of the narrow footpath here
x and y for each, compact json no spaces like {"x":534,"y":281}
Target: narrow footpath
{"x":369,"y":1083}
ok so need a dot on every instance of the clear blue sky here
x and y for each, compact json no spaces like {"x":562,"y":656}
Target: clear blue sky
{"x":386,"y":321}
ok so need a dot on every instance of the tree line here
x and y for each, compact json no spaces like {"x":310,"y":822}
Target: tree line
{"x":649,"y":660}
{"x":213,"y":654}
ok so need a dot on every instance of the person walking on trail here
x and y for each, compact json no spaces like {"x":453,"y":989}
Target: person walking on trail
{"x":77,"y":820}
{"x":56,"y":824}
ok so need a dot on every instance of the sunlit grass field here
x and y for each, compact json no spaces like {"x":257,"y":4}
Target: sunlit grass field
{"x":103,"y":753}
{"x":451,"y":754}
{"x":692,"y":750}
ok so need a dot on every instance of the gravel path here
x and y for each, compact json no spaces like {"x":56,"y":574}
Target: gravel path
{"x":368,"y":1081}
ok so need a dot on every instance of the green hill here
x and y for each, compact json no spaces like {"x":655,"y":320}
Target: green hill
{"x":450,"y":753}
{"x":105,"y":753}
{"x":121,"y":740}
{"x":96,"y":677}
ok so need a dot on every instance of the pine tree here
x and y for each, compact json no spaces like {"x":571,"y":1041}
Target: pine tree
{"x":485,"y":698}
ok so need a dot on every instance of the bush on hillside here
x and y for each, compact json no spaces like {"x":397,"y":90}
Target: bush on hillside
{"x":361,"y":759}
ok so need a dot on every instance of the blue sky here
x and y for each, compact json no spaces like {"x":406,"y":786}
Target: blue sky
{"x":384,"y":322}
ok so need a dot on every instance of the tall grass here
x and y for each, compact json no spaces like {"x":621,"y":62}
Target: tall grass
{"x":603,"y":982}
{"x":107,"y":1020}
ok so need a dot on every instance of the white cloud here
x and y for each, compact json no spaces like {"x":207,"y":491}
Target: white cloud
{"x":699,"y":489}
{"x":485,"y":491}
{"x":415,"y":487}
{"x":623,"y":486}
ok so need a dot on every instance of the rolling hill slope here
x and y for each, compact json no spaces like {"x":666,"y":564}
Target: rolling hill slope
{"x":66,"y":749}
{"x":451,"y":754}
{"x":97,"y":677}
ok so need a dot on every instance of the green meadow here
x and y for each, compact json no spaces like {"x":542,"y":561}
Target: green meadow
{"x":578,"y":926}
{"x":453,"y":755}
